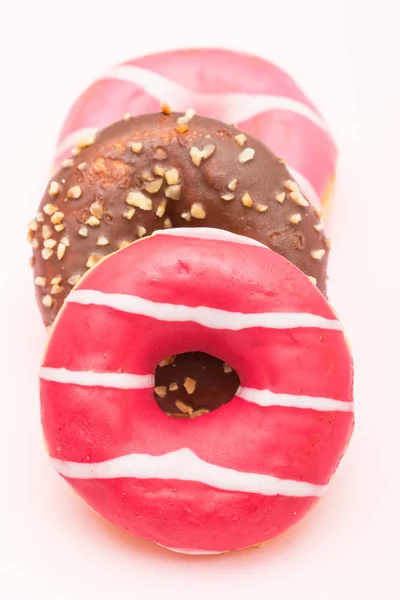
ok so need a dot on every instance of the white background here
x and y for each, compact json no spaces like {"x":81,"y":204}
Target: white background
{"x":344,"y":55}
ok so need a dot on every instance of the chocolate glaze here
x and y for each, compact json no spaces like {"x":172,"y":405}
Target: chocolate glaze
{"x":105,"y":171}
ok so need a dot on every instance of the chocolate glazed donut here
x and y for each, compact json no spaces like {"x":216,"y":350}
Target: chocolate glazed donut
{"x":170,"y":170}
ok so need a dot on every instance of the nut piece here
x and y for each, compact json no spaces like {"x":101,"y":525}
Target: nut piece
{"x":167,"y":223}
{"x":233,"y":185}
{"x":173,"y":386}
{"x":294,"y":219}
{"x":92,"y":260}
{"x":54,"y":188}
{"x":280,"y":197}
{"x":168,"y":360}
{"x":172,"y":176}
{"x":261,"y":208}
{"x":65,"y":241}
{"x":82,"y":166}
{"x":198,"y":155}
{"x":86,"y":140}
{"x":59,"y":227}
{"x":246,"y":155}
{"x":298,"y":198}
{"x":48,"y":301}
{"x":186,"y":216}
{"x":182,"y":128}
{"x":96,"y":209}
{"x":56,"y":280}
{"x":227,"y":368}
{"x":139,"y":200}
{"x":318,"y":254}
{"x":197,"y":211}
{"x":189,"y":114}
{"x":49,"y":243}
{"x":291,"y":185}
{"x":93,"y":221}
{"x":189,"y":384}
{"x":124,"y":244}
{"x":158,"y":170}
{"x":33,"y":225}
{"x":141,"y":231}
{"x":199,"y":412}
{"x":47,"y":253}
{"x":56,"y":289}
{"x":154,"y":186}
{"x":241,"y":139}
{"x":128,"y":214}
{"x":41,"y":281}
{"x":74,"y":279}
{"x":185,"y":408}
{"x":136,"y":147}
{"x":83,"y":231}
{"x":49,"y":209}
{"x":165,"y":108}
{"x":312,"y":279}
{"x":74,"y":192}
{"x":247,"y":200}
{"x":61,"y":248}
{"x":319,"y":227}
{"x":173,"y":192}
{"x":67,"y":163}
{"x":161,"y":391}
{"x":57,"y":217}
{"x":103,"y":241}
{"x":46,"y":232}
{"x":228,"y":197}
{"x":161,"y":208}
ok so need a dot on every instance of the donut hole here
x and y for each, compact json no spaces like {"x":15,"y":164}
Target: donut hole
{"x":193,"y":384}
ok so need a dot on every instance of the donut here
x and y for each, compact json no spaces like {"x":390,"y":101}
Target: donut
{"x":234,"y":477}
{"x":258,"y":96}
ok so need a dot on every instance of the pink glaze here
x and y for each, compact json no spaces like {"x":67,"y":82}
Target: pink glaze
{"x":238,"y":475}
{"x":256,"y":95}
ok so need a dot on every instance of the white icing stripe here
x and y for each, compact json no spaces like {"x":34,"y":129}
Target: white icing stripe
{"x":209,"y":233}
{"x":192,"y":550}
{"x":267,"y":398}
{"x":306,"y":186}
{"x":213,"y":318}
{"x":185,"y":465}
{"x":235,"y":107}
{"x":121,"y":381}
{"x":71,"y":140}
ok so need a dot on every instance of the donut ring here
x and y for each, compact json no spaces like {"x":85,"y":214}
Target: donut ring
{"x":262,"y":99}
{"x":234,"y":477}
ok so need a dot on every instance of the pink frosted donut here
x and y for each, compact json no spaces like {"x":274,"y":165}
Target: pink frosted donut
{"x":234,"y":87}
{"x":231,"y":478}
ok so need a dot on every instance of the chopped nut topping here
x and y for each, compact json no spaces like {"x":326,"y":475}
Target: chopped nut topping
{"x":67,"y":163}
{"x":86,"y":140}
{"x":139,"y":200}
{"x":160,"y":154}
{"x":165,"y":108}
{"x":198,"y":155}
{"x":161,"y":391}
{"x":48,"y":301}
{"x":59,"y":227}
{"x":46,"y":232}
{"x":182,"y":128}
{"x":294,"y":219}
{"x":172,"y":176}
{"x":124,"y":244}
{"x":298,"y":198}
{"x":280,"y":197}
{"x":74,"y":192}
{"x":93,"y":221}
{"x":154,"y":186}
{"x":173,"y":192}
{"x":141,"y":231}
{"x":102,"y":241}
{"x":35,"y":242}
{"x":317,"y":211}
{"x":56,"y":289}
{"x":318,"y":254}
{"x":233,"y":185}
{"x":281,"y":161}
{"x":128,"y":214}
{"x":49,"y":243}
{"x":161,"y":208}
{"x":56,"y":280}
{"x":228,"y":197}
{"x":41,"y":281}
{"x":75,"y":151}
{"x":241,"y":139}
{"x":64,"y":240}
{"x":92,"y":260}
{"x":189,"y":114}
{"x":227,"y":368}
{"x":173,"y":386}
{"x":126,"y":117}
{"x":158,"y":170}
{"x":312,"y":279}
{"x":54,"y":188}
{"x":96,"y":209}
{"x":168,"y":360}
{"x":318,"y":227}
{"x":47,"y":253}
{"x":31,"y":235}
{"x":197,"y":211}
{"x":291,"y":185}
{"x":61,"y":248}
{"x":74,"y":279}
{"x":327,"y":242}
{"x":167,"y":223}
{"x":246,"y":155}
{"x":261,"y":208}
{"x":189,"y":384}
{"x":82,"y":166}
{"x":49,"y":209}
{"x":147,"y":176}
{"x":83,"y":231}
{"x":199,"y":412}
{"x":39,"y":217}
{"x":247,"y":200}
{"x":33,"y":225}
{"x":136,"y":147}
{"x":185,"y":408}
{"x":186,"y":216}
{"x":57,"y":217}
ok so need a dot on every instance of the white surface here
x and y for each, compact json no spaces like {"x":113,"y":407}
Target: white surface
{"x":51,"y":545}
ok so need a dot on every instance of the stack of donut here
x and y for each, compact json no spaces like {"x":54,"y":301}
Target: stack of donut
{"x":197,"y":260}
